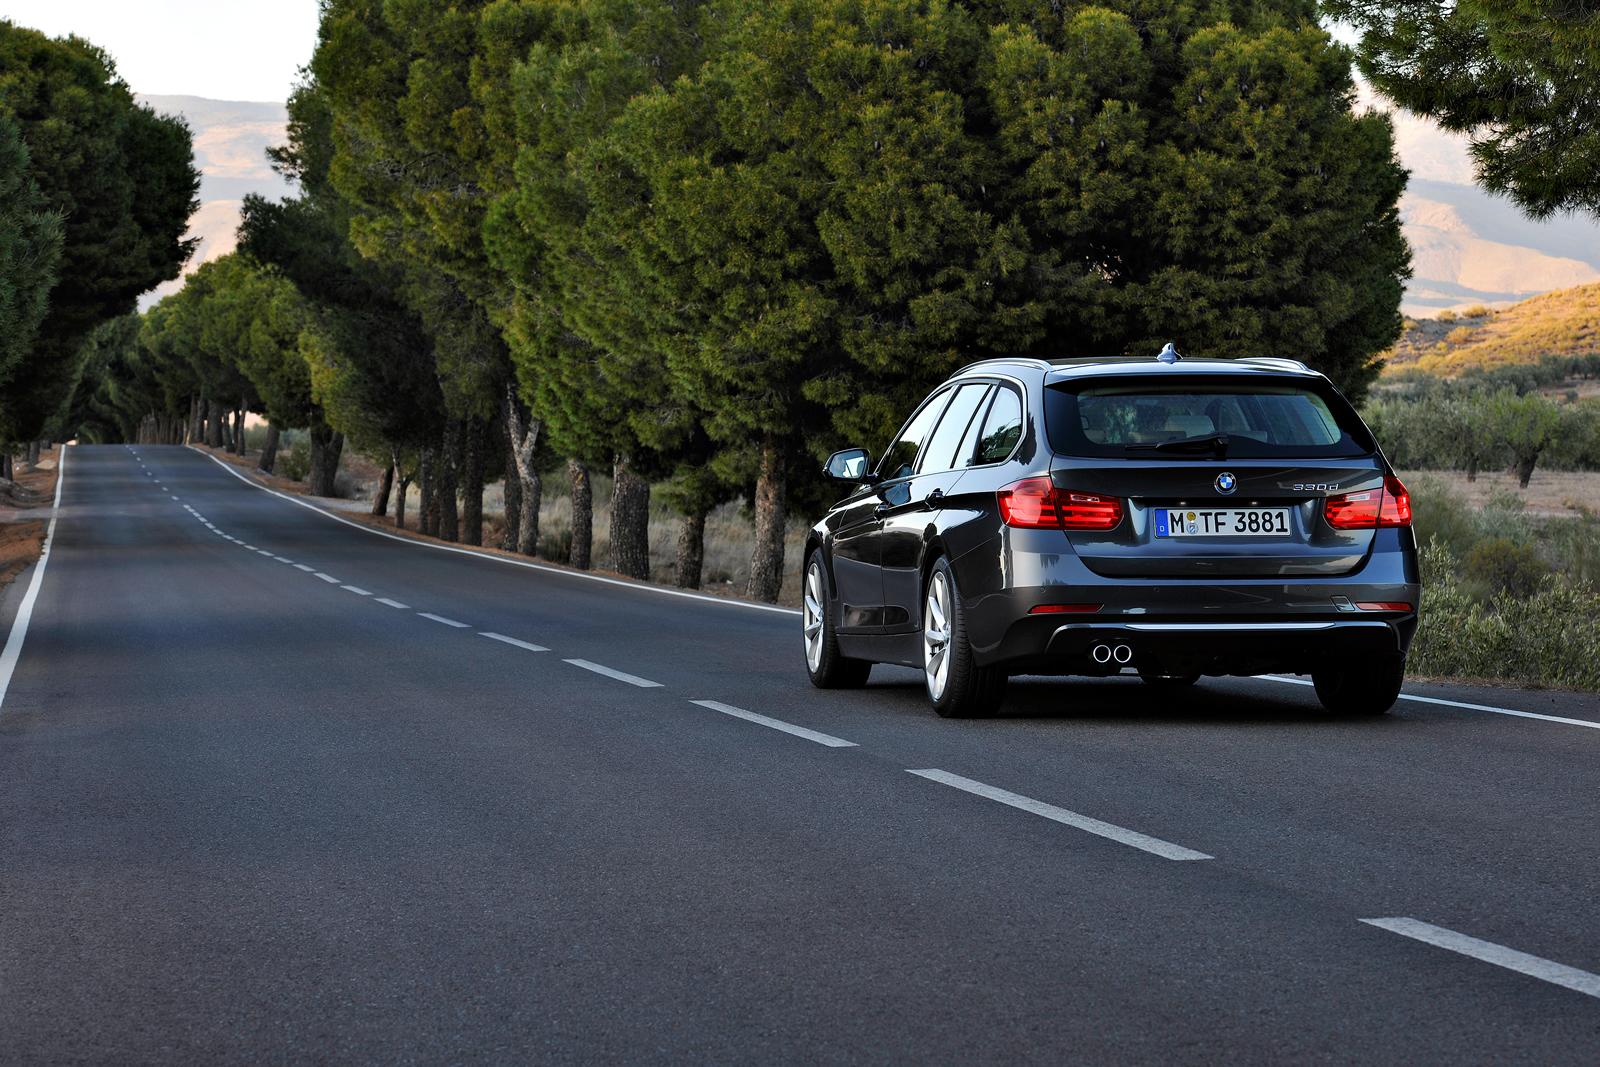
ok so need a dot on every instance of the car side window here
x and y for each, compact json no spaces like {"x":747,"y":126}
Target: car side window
{"x":941,"y":455}
{"x":901,"y":459}
{"x":1002,"y":427}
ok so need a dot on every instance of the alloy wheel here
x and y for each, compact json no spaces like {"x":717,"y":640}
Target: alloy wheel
{"x":936,"y":636}
{"x":813,"y":616}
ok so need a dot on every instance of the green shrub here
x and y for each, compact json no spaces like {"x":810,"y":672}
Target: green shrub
{"x":1551,"y":638}
{"x":294,"y":464}
{"x":1502,"y":567}
{"x":1439,"y":513}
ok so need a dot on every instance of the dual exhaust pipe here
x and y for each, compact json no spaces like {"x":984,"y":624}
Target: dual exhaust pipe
{"x":1104,"y":654}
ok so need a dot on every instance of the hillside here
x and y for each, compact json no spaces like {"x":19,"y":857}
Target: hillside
{"x":1561,"y":323}
{"x":1469,"y":247}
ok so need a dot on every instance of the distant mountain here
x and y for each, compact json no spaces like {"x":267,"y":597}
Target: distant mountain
{"x":1471,"y":248}
{"x":230,"y":148}
{"x":1562,"y":323}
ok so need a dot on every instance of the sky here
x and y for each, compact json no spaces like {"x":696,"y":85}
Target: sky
{"x":222,"y":49}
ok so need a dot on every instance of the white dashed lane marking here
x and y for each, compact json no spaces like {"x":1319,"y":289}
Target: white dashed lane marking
{"x":776,"y":724}
{"x":1131,"y":838}
{"x":330,"y":579}
{"x":631,"y":679}
{"x":441,"y":619}
{"x":303,"y":567}
{"x":503,"y":639}
{"x":1489,"y":952}
{"x":392,"y":603}
{"x":357,"y":590}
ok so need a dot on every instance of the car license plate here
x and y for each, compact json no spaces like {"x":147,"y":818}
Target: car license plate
{"x":1222,"y":522}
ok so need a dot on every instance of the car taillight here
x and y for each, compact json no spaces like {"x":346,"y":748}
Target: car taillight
{"x":1389,"y":505}
{"x":1036,"y":504}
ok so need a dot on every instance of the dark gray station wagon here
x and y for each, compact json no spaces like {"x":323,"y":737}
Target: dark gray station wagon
{"x":1174,"y":517}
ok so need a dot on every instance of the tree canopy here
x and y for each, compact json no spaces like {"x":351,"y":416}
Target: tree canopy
{"x":1518,"y":76}
{"x":123,"y":181}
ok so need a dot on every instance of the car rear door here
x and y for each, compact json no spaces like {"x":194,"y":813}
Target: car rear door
{"x":857,"y":539}
{"x":911,"y":505}
{"x":1218,"y":477}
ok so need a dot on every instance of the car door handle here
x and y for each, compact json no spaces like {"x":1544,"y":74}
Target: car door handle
{"x":881,"y":510}
{"x":932,"y":499}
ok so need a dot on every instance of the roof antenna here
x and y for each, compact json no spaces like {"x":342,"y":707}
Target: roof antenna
{"x":1168,"y":354}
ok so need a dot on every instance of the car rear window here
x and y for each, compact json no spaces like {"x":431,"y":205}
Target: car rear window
{"x":1109,"y":418}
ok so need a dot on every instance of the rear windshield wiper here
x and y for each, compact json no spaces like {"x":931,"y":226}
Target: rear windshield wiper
{"x":1214,"y":443}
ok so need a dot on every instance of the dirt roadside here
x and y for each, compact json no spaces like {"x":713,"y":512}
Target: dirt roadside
{"x":25,"y":512}
{"x":364,"y":516}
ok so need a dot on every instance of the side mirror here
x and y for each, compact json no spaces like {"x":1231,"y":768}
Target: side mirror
{"x":849,"y":465}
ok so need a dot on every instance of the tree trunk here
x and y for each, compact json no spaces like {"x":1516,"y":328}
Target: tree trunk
{"x":1472,"y":468}
{"x":269,"y":450}
{"x":523,"y":437}
{"x":5,"y":466}
{"x":427,"y":485}
{"x":196,"y":421}
{"x":582,"y":515}
{"x":448,"y":479}
{"x":380,"y":502}
{"x":513,"y":504}
{"x":630,"y":520}
{"x":1525,"y":465}
{"x":691,"y":550}
{"x":238,"y":430}
{"x":33,"y":456}
{"x":766,"y":562}
{"x":214,"y":424}
{"x":326,"y":444}
{"x":472,"y":482}
{"x":405,"y":487}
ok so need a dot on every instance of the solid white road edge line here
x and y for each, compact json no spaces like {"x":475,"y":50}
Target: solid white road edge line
{"x":1489,"y":952}
{"x":503,"y":639}
{"x":393,"y":603}
{"x":685,"y":594}
{"x":1131,"y":838}
{"x":631,"y":679}
{"x":19,"y":626}
{"x":776,"y":724}
{"x":442,"y":619}
{"x":1459,"y":704}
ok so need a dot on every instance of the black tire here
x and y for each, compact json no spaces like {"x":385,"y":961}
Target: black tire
{"x":1169,"y":682}
{"x":827,"y":668}
{"x":1369,"y":689}
{"x":968,"y":690}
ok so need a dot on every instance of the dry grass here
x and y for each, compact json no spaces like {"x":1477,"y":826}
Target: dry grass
{"x":1549,"y":493}
{"x":1565,"y":322}
{"x":21,"y":533}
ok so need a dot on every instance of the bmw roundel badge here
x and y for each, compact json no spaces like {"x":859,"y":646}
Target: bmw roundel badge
{"x":1226,"y":483}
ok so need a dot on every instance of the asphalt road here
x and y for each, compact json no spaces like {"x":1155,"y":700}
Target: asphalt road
{"x":270,"y":791}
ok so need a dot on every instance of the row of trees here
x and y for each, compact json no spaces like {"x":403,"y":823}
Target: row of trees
{"x":95,"y":195}
{"x":1453,"y":425}
{"x":700,"y":243}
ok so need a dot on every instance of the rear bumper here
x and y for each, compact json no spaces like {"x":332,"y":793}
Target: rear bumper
{"x":1215,"y":647}
{"x":1219,"y":626}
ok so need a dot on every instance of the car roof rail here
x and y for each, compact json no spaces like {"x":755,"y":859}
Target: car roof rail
{"x":1279,"y":362}
{"x":1023,"y":361}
